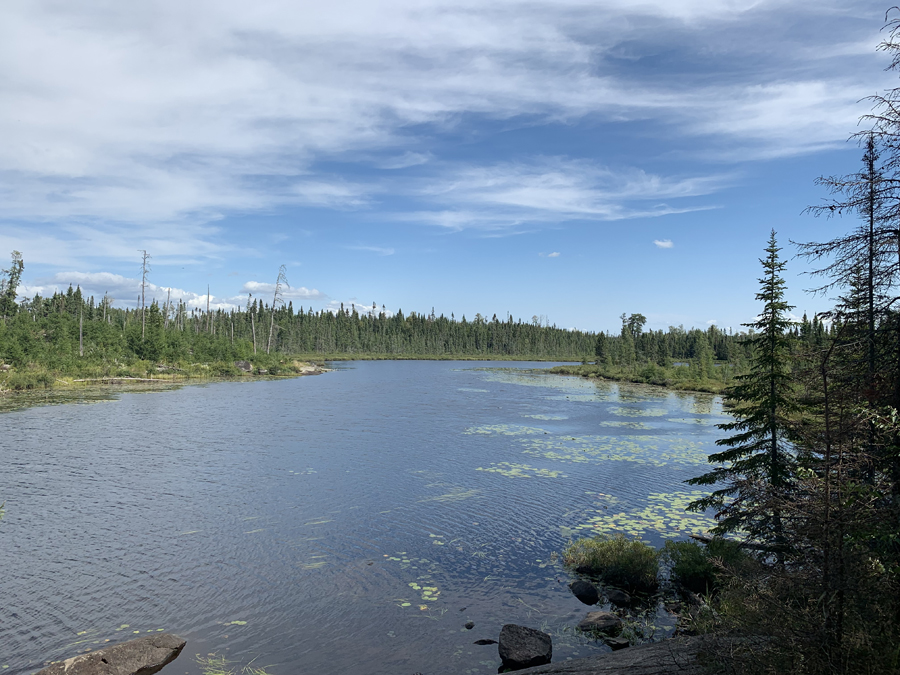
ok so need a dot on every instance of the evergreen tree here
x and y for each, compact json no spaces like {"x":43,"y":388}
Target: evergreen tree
{"x":758,"y":462}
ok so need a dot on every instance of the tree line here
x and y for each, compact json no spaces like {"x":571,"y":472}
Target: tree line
{"x":810,"y":473}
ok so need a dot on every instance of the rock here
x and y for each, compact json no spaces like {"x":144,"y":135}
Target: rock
{"x":601,"y":622}
{"x":243,"y":365}
{"x":617,"y":597}
{"x":470,"y":625}
{"x":585,"y":591}
{"x":522,"y":647}
{"x":617,"y":643}
{"x":668,"y":657}
{"x":484,"y":642}
{"x":143,"y":656}
{"x":262,"y":371}
{"x":5,"y":366}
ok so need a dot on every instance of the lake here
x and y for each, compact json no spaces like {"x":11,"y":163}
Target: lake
{"x":350,"y":522}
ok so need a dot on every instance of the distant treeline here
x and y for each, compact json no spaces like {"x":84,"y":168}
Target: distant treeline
{"x":52,"y":331}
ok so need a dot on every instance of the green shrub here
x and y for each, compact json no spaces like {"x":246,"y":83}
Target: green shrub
{"x":694,"y":566}
{"x":626,"y":563}
{"x":21,"y":381}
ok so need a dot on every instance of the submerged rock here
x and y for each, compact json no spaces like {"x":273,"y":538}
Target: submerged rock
{"x":143,"y":656}
{"x":470,"y":625}
{"x":601,"y":622}
{"x":523,"y":647}
{"x":617,"y":597}
{"x":585,"y":591}
{"x":484,"y":642}
{"x":617,"y":643}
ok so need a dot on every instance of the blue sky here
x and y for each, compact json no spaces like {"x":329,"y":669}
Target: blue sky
{"x":562,"y":159}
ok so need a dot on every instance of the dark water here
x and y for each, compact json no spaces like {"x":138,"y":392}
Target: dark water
{"x":350,"y":522}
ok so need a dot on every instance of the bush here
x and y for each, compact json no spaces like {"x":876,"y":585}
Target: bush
{"x":626,"y":563}
{"x":694,"y":566}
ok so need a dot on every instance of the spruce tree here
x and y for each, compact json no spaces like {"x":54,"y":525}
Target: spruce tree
{"x":758,"y":462}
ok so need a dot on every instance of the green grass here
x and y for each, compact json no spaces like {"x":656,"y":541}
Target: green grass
{"x":682,"y":378}
{"x":617,"y":561}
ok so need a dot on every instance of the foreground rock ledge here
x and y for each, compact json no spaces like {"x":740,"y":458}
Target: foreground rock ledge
{"x":677,"y":656}
{"x":143,"y":656}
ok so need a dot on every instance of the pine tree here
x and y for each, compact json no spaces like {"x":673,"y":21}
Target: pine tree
{"x":759,"y":459}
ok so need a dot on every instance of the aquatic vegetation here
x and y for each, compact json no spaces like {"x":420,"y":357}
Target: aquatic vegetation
{"x":505,"y":429}
{"x":621,"y":562}
{"x":625,"y":411}
{"x":655,"y":450}
{"x":664,"y":515}
{"x":546,"y":417}
{"x":455,"y":495}
{"x":623,"y":424}
{"x":212,"y":664}
{"x":520,"y":471}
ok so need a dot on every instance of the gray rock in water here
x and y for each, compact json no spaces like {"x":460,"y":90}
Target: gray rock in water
{"x":601,"y":622}
{"x":617,"y":643}
{"x":143,"y":656}
{"x":617,"y":597}
{"x":470,"y":625}
{"x":484,"y":642}
{"x":585,"y":591}
{"x":522,"y":647}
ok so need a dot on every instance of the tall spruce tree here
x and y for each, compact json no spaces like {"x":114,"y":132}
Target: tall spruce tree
{"x":758,"y":462}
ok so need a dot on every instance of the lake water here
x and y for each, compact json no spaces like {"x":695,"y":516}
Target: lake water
{"x":351,"y":522}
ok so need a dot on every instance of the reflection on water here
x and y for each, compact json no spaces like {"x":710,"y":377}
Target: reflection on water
{"x":350,"y":522}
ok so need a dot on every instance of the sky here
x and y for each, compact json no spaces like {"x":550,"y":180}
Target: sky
{"x":554,"y":158}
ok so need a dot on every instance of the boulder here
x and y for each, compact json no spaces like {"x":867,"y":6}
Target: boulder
{"x":617,"y":597}
{"x":244,"y":365}
{"x":585,"y":591}
{"x":522,"y":647}
{"x":601,"y":622}
{"x":143,"y":656}
{"x":470,"y":625}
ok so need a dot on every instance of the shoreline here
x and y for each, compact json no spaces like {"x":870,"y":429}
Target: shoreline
{"x":714,"y":389}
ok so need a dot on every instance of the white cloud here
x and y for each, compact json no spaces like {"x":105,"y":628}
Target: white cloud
{"x":711,"y":322}
{"x":554,"y":189}
{"x":146,"y":118}
{"x":122,"y":291}
{"x":262,"y":290}
{"x":406,"y":160}
{"x":380,"y":250}
{"x":555,"y":254}
{"x":663,"y":243}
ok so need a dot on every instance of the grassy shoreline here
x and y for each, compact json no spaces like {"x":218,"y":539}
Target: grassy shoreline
{"x":676,"y":379}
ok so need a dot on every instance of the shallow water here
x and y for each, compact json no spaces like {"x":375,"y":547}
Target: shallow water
{"x":350,"y":522}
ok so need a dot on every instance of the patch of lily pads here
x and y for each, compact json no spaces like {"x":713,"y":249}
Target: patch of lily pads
{"x":663,"y":515}
{"x":511,"y":470}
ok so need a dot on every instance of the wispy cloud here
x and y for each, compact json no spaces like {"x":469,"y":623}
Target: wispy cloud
{"x":663,"y":243}
{"x":380,"y":250}
{"x":146,"y":119}
{"x":555,"y":254}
